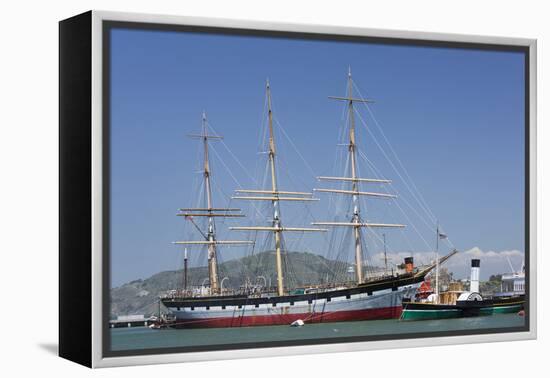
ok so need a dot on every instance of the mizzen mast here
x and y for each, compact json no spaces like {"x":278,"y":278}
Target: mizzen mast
{"x":275,"y":196}
{"x":210,"y":212}
{"x":356,"y":221}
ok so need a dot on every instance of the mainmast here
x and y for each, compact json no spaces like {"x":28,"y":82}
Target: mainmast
{"x":355,"y":221}
{"x":210,"y":212}
{"x":274,"y":195}
{"x":276,"y":219}
{"x":212,"y":258}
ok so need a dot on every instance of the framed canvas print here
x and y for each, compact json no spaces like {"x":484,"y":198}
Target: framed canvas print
{"x":232,"y":189}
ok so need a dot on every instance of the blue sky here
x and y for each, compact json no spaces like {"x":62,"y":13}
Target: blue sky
{"x":454,"y":116}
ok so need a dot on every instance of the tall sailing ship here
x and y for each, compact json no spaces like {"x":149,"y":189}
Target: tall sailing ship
{"x":377,"y":297}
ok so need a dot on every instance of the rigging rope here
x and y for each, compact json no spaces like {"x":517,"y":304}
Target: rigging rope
{"x":397,"y":172}
{"x":427,"y":209}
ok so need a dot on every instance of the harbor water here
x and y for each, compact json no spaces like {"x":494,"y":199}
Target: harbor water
{"x":145,"y":338}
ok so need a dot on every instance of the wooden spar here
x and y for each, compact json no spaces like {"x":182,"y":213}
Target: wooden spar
{"x":354,"y":224}
{"x":267,"y":228}
{"x":209,"y":209}
{"x":271,"y":192}
{"x":277,"y":198}
{"x":349,"y":98}
{"x":199,"y":136}
{"x":213,"y":242}
{"x":210,"y":215}
{"x":356,"y":193}
{"x":330,"y":178}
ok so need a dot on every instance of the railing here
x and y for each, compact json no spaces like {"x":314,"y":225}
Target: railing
{"x":253,"y":292}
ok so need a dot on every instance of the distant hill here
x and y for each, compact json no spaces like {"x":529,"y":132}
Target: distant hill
{"x":141,"y":296}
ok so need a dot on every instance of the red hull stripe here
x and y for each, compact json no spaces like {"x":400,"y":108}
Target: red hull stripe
{"x":266,"y":320}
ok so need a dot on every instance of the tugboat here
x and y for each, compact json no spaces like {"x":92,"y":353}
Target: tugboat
{"x":457,"y":304}
{"x":452,"y":304}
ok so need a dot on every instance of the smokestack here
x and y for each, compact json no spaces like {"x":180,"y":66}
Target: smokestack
{"x":409,"y":264}
{"x":474,"y":276}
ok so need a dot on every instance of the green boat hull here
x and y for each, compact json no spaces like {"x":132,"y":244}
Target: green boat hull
{"x":430,"y":314}
{"x":429,"y":311}
{"x":502,"y":309}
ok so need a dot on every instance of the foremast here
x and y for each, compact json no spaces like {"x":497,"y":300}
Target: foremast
{"x":275,"y":196}
{"x":210,"y":212}
{"x":355,"y":221}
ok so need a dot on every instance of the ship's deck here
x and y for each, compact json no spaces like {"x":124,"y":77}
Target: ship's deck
{"x":389,"y":283}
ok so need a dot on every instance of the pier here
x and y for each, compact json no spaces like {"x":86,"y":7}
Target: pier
{"x":128,"y":321}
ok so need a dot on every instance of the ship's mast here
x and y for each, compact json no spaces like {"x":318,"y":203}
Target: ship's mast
{"x":210,"y":212}
{"x":276,"y":220}
{"x":356,"y":219}
{"x":355,"y":222}
{"x":212,"y":258}
{"x":275,"y":197}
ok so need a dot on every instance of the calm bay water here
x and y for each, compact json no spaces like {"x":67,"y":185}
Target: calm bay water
{"x":145,"y":338}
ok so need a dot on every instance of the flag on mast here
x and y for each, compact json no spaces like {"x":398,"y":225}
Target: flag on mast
{"x":442,"y":235}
